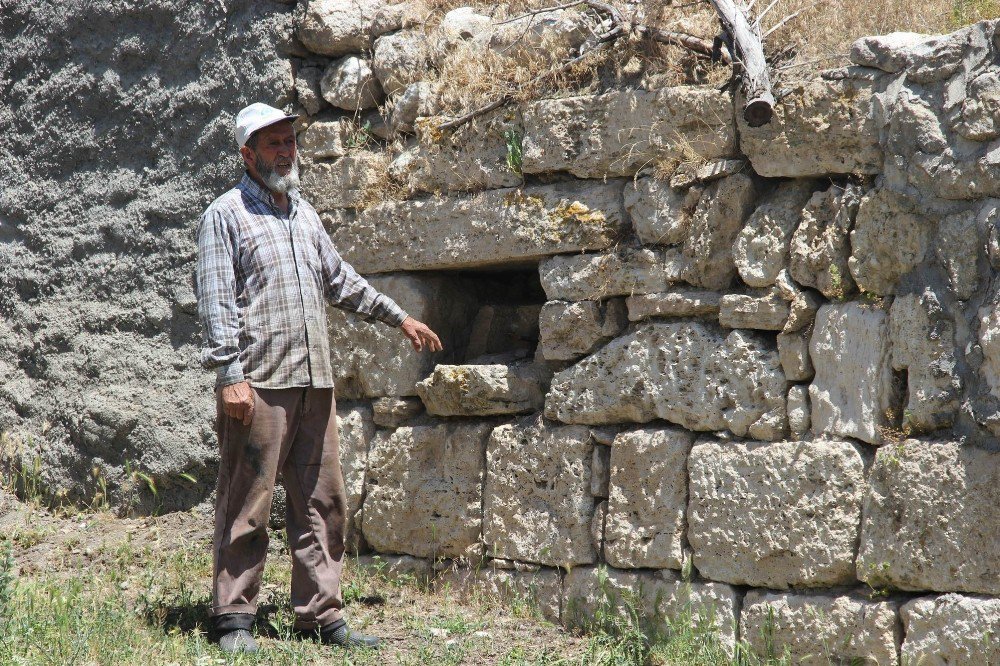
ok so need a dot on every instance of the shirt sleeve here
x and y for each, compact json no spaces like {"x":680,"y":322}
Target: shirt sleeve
{"x":347,"y":290}
{"x":215,"y":289}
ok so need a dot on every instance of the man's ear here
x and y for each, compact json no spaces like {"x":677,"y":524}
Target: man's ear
{"x":249,"y":158}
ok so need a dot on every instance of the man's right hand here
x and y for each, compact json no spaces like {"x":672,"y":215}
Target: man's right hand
{"x":237,"y":402}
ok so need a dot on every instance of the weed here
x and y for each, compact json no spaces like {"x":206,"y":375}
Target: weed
{"x":513,"y":140}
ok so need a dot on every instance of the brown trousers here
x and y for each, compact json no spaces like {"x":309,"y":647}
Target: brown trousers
{"x":293,"y":430}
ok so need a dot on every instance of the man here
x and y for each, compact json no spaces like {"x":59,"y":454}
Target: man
{"x":265,"y":266}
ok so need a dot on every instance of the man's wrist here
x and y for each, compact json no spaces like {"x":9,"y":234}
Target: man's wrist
{"x":231,"y":373}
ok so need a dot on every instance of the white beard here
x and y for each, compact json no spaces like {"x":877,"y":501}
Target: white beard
{"x":276,"y":182}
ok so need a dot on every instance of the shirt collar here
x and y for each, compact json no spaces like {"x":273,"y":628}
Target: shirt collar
{"x":250,"y":186}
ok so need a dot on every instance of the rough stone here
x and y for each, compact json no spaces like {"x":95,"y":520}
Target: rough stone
{"x":344,"y":182}
{"x":484,"y":390}
{"x":888,"y":241}
{"x":356,"y":429}
{"x":817,"y":630}
{"x":338,"y":27}
{"x":618,"y":133}
{"x":541,"y":589}
{"x":375,"y":360}
{"x":981,"y":109}
{"x":327,"y":139}
{"x":951,"y":629}
{"x":708,"y":247}
{"x":475,"y":158}
{"x":571,"y":330}
{"x":490,"y":228}
{"x":597,"y":526}
{"x":678,"y":303}
{"x":537,"y":505}
{"x":820,"y":248}
{"x":799,"y":411}
{"x":779,"y":515}
{"x":923,"y":345}
{"x":398,"y":567}
{"x":349,"y":83}
{"x":958,"y":250}
{"x":623,"y":272}
{"x":803,"y":304}
{"x":648,"y":497}
{"x":308,"y":90}
{"x":552,"y":34}
{"x":399,"y":59}
{"x":424,"y":490}
{"x":768,"y":311}
{"x":500,"y":330}
{"x":660,"y":215}
{"x":689,"y":373}
{"x":793,"y":350}
{"x":600,"y":476}
{"x":460,"y":25}
{"x":688,"y":174}
{"x":890,"y":53}
{"x":394,"y":412}
{"x":930,"y":519}
{"x":821,"y":128}
{"x":852,"y":391}
{"x":762,"y":247}
{"x":417,"y":100}
{"x":658,"y":597}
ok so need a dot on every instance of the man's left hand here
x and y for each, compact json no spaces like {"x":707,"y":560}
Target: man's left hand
{"x":421,"y":335}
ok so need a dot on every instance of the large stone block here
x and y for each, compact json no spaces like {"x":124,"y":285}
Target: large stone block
{"x":923,"y":345}
{"x":931,"y":519}
{"x":820,"y":246}
{"x":618,"y":133}
{"x":818,"y":630}
{"x":778,"y":515}
{"x":821,"y":128}
{"x":689,"y":373}
{"x":540,"y":588}
{"x":344,"y":182}
{"x":659,"y":598}
{"x":424,"y":490}
{"x":761,"y":247}
{"x":485,"y":390}
{"x":647,"y":498}
{"x":375,"y":360}
{"x":852,"y":391}
{"x":623,"y":272}
{"x":660,"y":215}
{"x":766,"y":311}
{"x":338,"y":27}
{"x":676,"y":303}
{"x":491,"y":228}
{"x":350,"y":84}
{"x":538,"y":505}
{"x":400,"y":59}
{"x":714,"y":226}
{"x":951,"y":630}
{"x":571,"y":330}
{"x":889,"y":240}
{"x":356,"y":429}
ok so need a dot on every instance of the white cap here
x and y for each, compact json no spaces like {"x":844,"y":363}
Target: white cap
{"x":255,"y":116}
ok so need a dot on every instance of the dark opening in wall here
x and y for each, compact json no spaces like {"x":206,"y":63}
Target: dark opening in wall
{"x":505,"y":326}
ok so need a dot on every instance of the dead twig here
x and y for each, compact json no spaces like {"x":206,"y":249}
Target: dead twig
{"x":789,"y":18}
{"x":542,"y":10}
{"x":700,"y":46}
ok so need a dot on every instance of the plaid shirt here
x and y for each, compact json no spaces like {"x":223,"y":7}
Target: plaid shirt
{"x":261,"y":280}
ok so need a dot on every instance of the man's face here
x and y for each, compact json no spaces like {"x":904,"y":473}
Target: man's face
{"x":273,"y":158}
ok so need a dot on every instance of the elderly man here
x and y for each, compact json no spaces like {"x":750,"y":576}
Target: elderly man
{"x":265,"y":265}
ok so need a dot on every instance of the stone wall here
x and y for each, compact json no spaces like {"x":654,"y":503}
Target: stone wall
{"x":751,"y":373}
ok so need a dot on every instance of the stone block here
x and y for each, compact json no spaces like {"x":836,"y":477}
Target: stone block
{"x":540,"y":589}
{"x":485,"y":390}
{"x":618,"y":133}
{"x":338,"y":27}
{"x":394,"y":412}
{"x":799,"y":411}
{"x":399,"y":568}
{"x":951,"y":629}
{"x":659,"y":598}
{"x":821,"y":128}
{"x":821,"y":629}
{"x":400,"y":59}
{"x":660,"y":215}
{"x":350,"y":84}
{"x":357,"y":429}
{"x":623,"y":272}
{"x":504,"y":330}
{"x":648,"y":497}
{"x":688,"y":174}
{"x":820,"y":246}
{"x":677,"y":303}
{"x":487,"y":229}
{"x":375,"y":360}
{"x":600,"y":476}
{"x":342,"y":183}
{"x":568,"y":331}
{"x":708,"y":247}
{"x":958,"y":247}
{"x":418,"y":100}
{"x":538,"y":506}
{"x":793,"y":350}
{"x":923,"y":345}
{"x":890,"y":53}
{"x":308,"y":91}
{"x":326,"y":139}
{"x":766,"y":311}
{"x":889,"y":240}
{"x":688,"y":373}
{"x":852,"y":393}
{"x":762,"y":245}
{"x":931,"y":519}
{"x":424,"y":490}
{"x":778,"y":515}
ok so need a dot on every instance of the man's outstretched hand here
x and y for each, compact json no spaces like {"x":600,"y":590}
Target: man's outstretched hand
{"x":237,"y":402}
{"x":421,"y":335}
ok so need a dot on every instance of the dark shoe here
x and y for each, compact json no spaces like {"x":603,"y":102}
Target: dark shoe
{"x":337,"y":633}
{"x":237,"y":640}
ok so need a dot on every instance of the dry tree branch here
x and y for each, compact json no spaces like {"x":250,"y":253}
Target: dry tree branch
{"x":698,"y":45}
{"x":749,"y":50}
